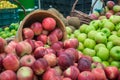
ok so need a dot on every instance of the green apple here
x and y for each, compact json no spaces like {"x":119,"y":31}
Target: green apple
{"x":83,"y":27}
{"x":92,"y":34}
{"x":109,"y":25}
{"x":68,"y":36}
{"x":106,"y":31}
{"x":89,"y":28}
{"x":96,"y":59}
{"x":81,"y":37}
{"x":98,"y":46}
{"x":89,"y":43}
{"x":112,"y":37}
{"x":95,"y":23}
{"x":116,"y":41}
{"x":117,"y":27}
{"x":115,"y":63}
{"x":72,"y":36}
{"x":105,"y":63}
{"x":109,"y":45}
{"x":80,"y":46}
{"x":114,"y":32}
{"x":115,"y":52}
{"x":103,"y":53}
{"x":100,"y":37}
{"x":118,"y":33}
{"x":6,"y":29}
{"x":115,"y":19}
{"x":68,"y":30}
{"x":76,"y":33}
{"x":102,"y":22}
{"x":89,"y":52}
{"x":116,"y":8}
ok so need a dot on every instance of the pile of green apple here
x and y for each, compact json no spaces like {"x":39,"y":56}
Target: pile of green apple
{"x":100,"y":40}
{"x":9,"y":31}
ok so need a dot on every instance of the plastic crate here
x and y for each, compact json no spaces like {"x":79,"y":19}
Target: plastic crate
{"x":8,"y":16}
{"x":65,"y":6}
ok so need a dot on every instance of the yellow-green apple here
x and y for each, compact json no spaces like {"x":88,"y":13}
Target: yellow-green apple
{"x":116,"y":41}
{"x":80,"y":46}
{"x":40,"y":66}
{"x":109,"y":45}
{"x":89,"y":28}
{"x":3,"y":43}
{"x":69,"y":72}
{"x":51,"y":59}
{"x":27,"y":33}
{"x":105,"y":63}
{"x":92,"y":34}
{"x":106,"y":31}
{"x":95,"y":23}
{"x":89,"y":43}
{"x":116,"y":8}
{"x":115,"y":63}
{"x":112,"y":37}
{"x":115,"y":19}
{"x":84,"y":64}
{"x":103,"y":53}
{"x":40,"y":52}
{"x":8,"y":75}
{"x":100,"y":37}
{"x":102,"y":17}
{"x":71,"y":36}
{"x":86,"y":75}
{"x":71,"y":43}
{"x":36,"y":28}
{"x":96,"y":59}
{"x":117,"y":27}
{"x":109,"y":25}
{"x":43,"y":38}
{"x":68,"y":30}
{"x":81,"y":37}
{"x":115,"y":52}
{"x":110,"y":4}
{"x":97,"y":46}
{"x":76,"y":33}
{"x":27,"y":60}
{"x":102,"y":22}
{"x":25,"y":73}
{"x":11,"y":62}
{"x":114,"y":33}
{"x":49,"y":23}
{"x":112,"y":72}
{"x":118,"y":33}
{"x":89,"y":52}
{"x":83,"y":27}
{"x":99,"y":74}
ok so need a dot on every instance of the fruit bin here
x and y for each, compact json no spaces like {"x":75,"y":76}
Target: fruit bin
{"x":65,"y":6}
{"x":39,"y":15}
{"x":8,"y":16}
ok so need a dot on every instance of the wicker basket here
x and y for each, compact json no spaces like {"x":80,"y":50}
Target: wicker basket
{"x":39,"y":15}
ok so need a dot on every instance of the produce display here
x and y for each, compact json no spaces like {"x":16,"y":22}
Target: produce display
{"x":6,"y":5}
{"x":90,"y":52}
{"x":9,"y":31}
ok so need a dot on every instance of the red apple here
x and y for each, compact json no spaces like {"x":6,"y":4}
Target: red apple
{"x":58,"y":32}
{"x":58,"y":70}
{"x":37,"y":28}
{"x":25,"y":73}
{"x":23,"y":48}
{"x":3,"y":43}
{"x":52,"y":38}
{"x":110,"y":4}
{"x":112,"y":72}
{"x":38,"y":44}
{"x":42,"y":38}
{"x":84,"y":64}
{"x":45,"y":32}
{"x":71,"y":72}
{"x":108,"y":15}
{"x":65,"y":78}
{"x":57,"y":46}
{"x":99,"y":74}
{"x":49,"y":23}
{"x":27,"y":60}
{"x":3,"y":55}
{"x":50,"y":50}
{"x":40,"y":66}
{"x":28,"y":33}
{"x":1,"y":64}
{"x":93,"y":16}
{"x":8,"y":75}
{"x":51,"y":59}
{"x":71,"y":43}
{"x":65,"y":60}
{"x":31,"y":42}
{"x":51,"y":74}
{"x":11,"y":62}
{"x":60,"y":52}
{"x":86,"y":75}
{"x":40,"y":52}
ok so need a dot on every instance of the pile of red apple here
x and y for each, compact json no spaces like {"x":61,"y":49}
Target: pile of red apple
{"x":110,"y":9}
